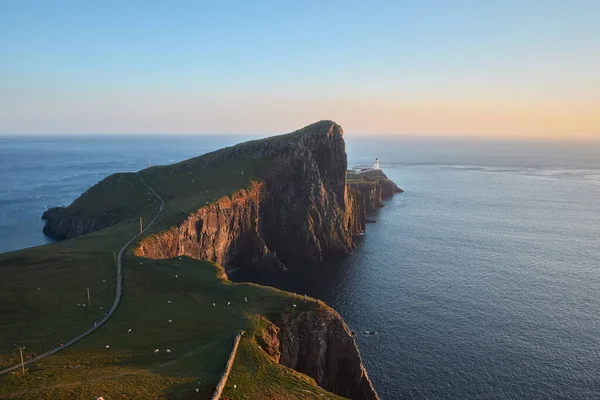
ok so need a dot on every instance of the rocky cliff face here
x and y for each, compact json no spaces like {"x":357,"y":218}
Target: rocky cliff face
{"x":303,"y":210}
{"x":60,"y":225}
{"x":225,"y":232}
{"x":356,"y":217}
{"x":388,"y":188}
{"x":371,"y":194}
{"x":320,"y":345}
{"x":303,"y":214}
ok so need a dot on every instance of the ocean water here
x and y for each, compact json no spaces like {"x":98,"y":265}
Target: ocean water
{"x":40,"y":172}
{"x":482,"y":279}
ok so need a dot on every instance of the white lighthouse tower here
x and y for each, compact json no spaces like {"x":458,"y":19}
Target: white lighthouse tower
{"x":377,"y":163}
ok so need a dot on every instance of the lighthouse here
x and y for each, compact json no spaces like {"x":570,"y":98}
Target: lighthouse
{"x":377,"y":163}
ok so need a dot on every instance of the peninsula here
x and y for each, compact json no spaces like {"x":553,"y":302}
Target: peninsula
{"x":257,"y":205}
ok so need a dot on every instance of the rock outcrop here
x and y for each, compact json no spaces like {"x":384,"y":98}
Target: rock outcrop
{"x":225,"y":232}
{"x":60,"y":225}
{"x":371,"y":193}
{"x":319,"y":344}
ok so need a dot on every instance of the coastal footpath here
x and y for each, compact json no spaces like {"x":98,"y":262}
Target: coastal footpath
{"x":258,"y":205}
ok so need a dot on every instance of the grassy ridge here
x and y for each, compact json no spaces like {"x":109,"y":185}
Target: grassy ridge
{"x":122,"y":196}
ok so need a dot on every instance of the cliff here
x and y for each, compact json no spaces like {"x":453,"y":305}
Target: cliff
{"x":225,"y":232}
{"x":321,"y":346}
{"x":301,"y":210}
{"x":60,"y":225}
{"x":374,"y":186}
{"x":297,"y":202}
{"x":318,"y":343}
{"x":299,"y":207}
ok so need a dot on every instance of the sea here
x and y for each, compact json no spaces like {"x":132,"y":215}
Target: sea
{"x":482,"y":279}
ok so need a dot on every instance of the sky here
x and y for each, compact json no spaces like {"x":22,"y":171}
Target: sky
{"x":503,"y":69}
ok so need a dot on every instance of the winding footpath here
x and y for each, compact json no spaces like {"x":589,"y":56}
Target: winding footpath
{"x":118,"y":293}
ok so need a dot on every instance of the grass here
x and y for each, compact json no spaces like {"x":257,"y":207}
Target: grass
{"x":41,"y":290}
{"x":199,"y":337}
{"x":116,"y":198}
{"x":185,"y":188}
{"x":252,"y":371}
{"x":367,"y":177}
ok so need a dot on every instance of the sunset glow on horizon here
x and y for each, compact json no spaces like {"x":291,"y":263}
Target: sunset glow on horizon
{"x":516,"y":69}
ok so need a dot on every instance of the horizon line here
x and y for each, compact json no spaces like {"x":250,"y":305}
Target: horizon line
{"x":415,"y":136}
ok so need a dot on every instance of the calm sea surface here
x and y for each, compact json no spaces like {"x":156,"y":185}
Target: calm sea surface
{"x":482,"y":279}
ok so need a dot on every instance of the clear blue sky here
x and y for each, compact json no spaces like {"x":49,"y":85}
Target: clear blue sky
{"x":408,"y":67}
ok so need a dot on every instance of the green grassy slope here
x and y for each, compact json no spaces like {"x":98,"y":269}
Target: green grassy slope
{"x":365,"y":177}
{"x":40,"y":289}
{"x":255,"y":376}
{"x":185,"y":188}
{"x":122,"y":195}
{"x":200,"y":337}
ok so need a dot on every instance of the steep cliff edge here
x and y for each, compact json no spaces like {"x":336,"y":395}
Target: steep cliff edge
{"x":225,"y":232}
{"x":258,"y":205}
{"x":318,"y":343}
{"x":374,"y":185}
{"x":296,"y":207}
{"x":321,"y":346}
{"x":302,"y":209}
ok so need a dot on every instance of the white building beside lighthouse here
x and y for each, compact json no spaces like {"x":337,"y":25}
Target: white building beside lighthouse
{"x":366,"y":167}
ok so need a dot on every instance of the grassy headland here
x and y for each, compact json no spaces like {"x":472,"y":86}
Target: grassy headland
{"x":42,"y":291}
